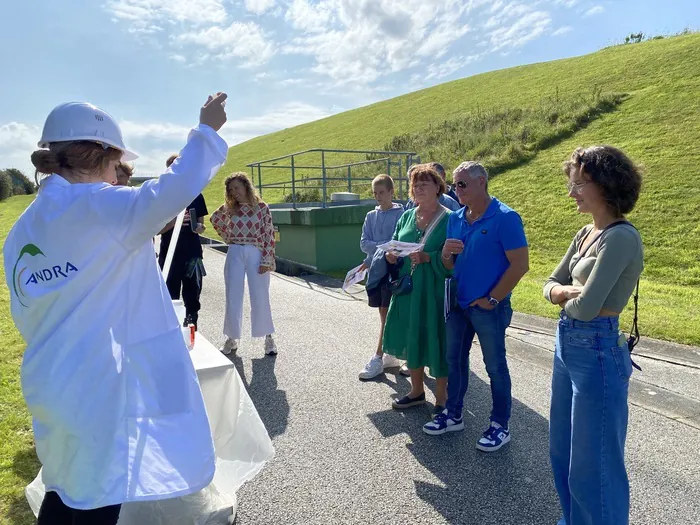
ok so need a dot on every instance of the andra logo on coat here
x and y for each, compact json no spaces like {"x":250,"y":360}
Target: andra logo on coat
{"x":22,"y":279}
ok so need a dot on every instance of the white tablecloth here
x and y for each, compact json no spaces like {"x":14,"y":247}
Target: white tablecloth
{"x":240,"y":439}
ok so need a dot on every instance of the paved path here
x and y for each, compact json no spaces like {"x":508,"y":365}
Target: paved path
{"x":345,"y":457}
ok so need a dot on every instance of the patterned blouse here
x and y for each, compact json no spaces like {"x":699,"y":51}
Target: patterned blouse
{"x":252,"y":225}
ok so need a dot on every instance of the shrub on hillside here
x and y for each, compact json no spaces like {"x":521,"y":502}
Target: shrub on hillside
{"x":5,"y":186}
{"x":505,"y":138}
{"x":307,"y":195}
{"x":20,"y":180}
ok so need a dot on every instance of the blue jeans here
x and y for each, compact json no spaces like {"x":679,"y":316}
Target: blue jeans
{"x":490,"y":326}
{"x":588,"y":421}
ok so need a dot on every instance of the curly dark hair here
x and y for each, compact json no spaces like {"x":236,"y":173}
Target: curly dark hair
{"x":619,"y":179}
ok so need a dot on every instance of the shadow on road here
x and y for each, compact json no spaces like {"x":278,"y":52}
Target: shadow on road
{"x":270,"y":402}
{"x":513,"y":485}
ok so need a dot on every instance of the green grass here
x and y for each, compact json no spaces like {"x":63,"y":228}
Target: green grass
{"x":18,"y":462}
{"x":657,"y":124}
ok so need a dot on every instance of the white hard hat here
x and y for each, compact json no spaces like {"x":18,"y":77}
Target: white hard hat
{"x":75,"y":121}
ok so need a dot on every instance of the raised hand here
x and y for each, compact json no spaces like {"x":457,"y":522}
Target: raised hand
{"x":213,"y":113}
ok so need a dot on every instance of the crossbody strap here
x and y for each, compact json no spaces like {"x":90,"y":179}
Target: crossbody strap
{"x":433,"y":224}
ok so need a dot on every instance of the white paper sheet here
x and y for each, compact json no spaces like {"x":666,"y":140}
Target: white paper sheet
{"x":354,"y":276}
{"x":401,"y":249}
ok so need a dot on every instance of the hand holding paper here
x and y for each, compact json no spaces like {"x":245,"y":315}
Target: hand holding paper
{"x":354,"y":276}
{"x":400,"y":249}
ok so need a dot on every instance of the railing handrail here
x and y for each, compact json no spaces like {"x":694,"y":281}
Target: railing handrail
{"x":260,"y":163}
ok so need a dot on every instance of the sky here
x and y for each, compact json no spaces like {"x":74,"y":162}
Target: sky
{"x":152,"y":63}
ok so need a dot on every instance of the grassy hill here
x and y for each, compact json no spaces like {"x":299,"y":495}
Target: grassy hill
{"x":657,"y":124}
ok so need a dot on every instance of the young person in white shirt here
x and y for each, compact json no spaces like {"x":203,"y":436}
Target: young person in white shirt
{"x":117,"y":412}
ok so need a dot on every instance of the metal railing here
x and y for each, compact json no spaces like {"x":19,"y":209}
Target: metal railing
{"x":400,"y":161}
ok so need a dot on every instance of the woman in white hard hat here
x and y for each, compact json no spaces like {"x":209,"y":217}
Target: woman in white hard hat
{"x":117,"y":411}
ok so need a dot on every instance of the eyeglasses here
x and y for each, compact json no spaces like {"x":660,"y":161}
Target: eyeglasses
{"x":576,"y":187}
{"x":461,"y":184}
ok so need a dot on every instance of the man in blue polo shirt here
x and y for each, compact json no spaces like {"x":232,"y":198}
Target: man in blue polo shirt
{"x":487,"y":248}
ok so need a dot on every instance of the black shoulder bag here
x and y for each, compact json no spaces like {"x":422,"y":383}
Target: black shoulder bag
{"x":634,"y":337}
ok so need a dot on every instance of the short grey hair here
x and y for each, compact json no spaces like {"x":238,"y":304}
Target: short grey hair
{"x":473,"y":169}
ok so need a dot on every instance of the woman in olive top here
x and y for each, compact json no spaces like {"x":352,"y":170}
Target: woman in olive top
{"x":415,"y":325}
{"x":592,"y":365}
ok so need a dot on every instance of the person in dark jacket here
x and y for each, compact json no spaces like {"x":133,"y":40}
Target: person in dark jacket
{"x":187,"y":267}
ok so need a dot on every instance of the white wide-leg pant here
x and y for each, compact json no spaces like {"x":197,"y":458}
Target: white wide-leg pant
{"x":242,"y":261}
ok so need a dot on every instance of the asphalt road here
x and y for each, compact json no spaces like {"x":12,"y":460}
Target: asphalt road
{"x":343,"y":456}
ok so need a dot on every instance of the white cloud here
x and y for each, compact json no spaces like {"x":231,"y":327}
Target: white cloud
{"x":567,"y":3}
{"x":198,"y":29}
{"x":142,"y":15}
{"x":17,"y":142}
{"x":292,"y":81}
{"x":563,"y":31}
{"x":258,"y":7}
{"x":447,"y":68}
{"x":596,"y":10}
{"x":16,"y":134}
{"x":518,"y":32}
{"x":358,"y":41}
{"x":307,"y":17}
{"x":156,"y":131}
{"x":165,"y":138}
{"x":243,"y":40}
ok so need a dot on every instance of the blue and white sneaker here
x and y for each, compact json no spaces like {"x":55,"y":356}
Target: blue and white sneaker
{"x":494,"y":438}
{"x":442,"y":423}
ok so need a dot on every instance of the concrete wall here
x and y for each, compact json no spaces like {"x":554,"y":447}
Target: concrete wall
{"x":325,"y":239}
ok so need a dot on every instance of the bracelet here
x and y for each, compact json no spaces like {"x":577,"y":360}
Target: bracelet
{"x":448,"y":258}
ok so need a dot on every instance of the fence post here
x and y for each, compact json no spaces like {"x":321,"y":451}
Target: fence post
{"x":388,"y":166}
{"x":294,"y":187}
{"x":260,"y":181}
{"x":323,"y":171}
{"x":349,"y":179}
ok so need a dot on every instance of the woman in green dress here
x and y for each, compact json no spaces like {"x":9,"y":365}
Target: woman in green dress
{"x":415,"y":325}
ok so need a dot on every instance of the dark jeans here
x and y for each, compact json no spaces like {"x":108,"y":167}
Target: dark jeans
{"x":54,"y":512}
{"x":490,"y":326}
{"x":190,"y":286}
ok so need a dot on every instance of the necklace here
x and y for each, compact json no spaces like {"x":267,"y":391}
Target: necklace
{"x":423,"y":218}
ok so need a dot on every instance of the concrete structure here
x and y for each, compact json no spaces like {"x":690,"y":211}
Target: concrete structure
{"x":320,"y":239}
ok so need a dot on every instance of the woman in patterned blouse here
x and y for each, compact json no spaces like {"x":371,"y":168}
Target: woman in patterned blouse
{"x":244,"y":223}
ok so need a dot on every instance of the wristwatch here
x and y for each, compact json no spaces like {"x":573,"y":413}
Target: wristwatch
{"x":493,"y":301}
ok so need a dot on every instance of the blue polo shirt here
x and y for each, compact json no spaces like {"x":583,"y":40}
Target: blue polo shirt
{"x":482,"y":264}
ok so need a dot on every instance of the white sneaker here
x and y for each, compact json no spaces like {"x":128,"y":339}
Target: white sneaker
{"x":404,"y":371}
{"x":231,"y":345}
{"x":372,"y":369}
{"x":389,"y":361}
{"x":270,"y":346}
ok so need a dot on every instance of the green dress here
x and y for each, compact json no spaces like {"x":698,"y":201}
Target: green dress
{"x":415,"y":324}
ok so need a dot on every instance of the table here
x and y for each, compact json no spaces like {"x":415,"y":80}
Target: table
{"x":241,"y":442}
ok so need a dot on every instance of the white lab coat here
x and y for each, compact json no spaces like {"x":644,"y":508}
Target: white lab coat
{"x":117,"y":411}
